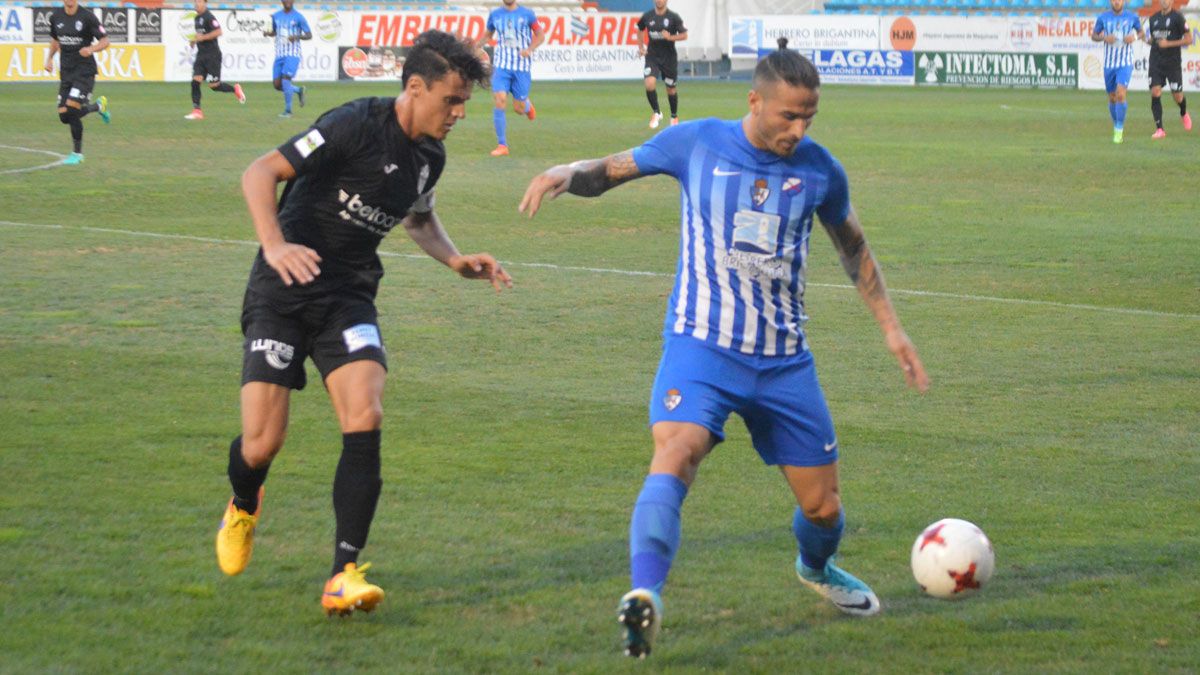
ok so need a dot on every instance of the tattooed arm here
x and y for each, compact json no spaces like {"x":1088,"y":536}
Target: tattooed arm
{"x":851,"y":244}
{"x":586,"y":178}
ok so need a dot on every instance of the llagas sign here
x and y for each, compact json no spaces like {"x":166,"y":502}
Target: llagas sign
{"x":988,"y":69}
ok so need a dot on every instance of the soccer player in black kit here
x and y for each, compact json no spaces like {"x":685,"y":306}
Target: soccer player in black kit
{"x":76,"y":34}
{"x":658,"y":31}
{"x":1167,"y":32}
{"x":356,"y":173}
{"x":208,"y":60}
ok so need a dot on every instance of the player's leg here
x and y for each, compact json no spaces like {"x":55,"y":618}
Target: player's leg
{"x":1156,"y":106}
{"x":791,"y":427}
{"x":197,"y":113}
{"x":521,"y":83}
{"x":501,"y":83}
{"x":350,"y":356}
{"x":214,"y":77}
{"x":74,"y":96}
{"x":650,"y":80}
{"x":1175,"y":78}
{"x":670,"y":74}
{"x":272,"y":365}
{"x":689,"y":404}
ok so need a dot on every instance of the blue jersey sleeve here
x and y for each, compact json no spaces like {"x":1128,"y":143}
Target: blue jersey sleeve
{"x":667,"y":152}
{"x":303,"y":24}
{"x":835,"y":207}
{"x":491,"y":21}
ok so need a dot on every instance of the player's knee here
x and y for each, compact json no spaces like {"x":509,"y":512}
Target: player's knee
{"x":367,"y":418}
{"x":214,"y":85}
{"x":278,"y":85}
{"x":260,"y":448}
{"x":65,"y":115}
{"x":823,"y":510}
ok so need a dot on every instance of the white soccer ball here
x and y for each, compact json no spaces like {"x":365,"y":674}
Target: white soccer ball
{"x":952,"y":559}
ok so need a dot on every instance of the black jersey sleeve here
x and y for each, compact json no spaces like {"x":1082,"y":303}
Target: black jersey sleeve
{"x":328,"y":141}
{"x":95,"y":29}
{"x":644,"y":21}
{"x":677,"y":26}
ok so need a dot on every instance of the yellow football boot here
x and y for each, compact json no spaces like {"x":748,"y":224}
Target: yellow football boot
{"x":348,"y":590}
{"x":235,"y":537}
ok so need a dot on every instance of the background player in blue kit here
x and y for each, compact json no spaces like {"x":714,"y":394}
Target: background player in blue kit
{"x":733,"y":337}
{"x":518,"y":35}
{"x":288,"y":27}
{"x":1117,"y":29}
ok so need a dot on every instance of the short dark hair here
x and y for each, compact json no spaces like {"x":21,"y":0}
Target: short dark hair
{"x":788,"y":66}
{"x":435,"y":53}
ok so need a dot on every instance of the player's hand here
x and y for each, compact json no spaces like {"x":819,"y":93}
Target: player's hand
{"x":554,"y":182}
{"x":1130,"y":38}
{"x":191,"y":43}
{"x":906,"y":354}
{"x":641,"y":50}
{"x":481,"y":266}
{"x":1162,"y":44}
{"x":85,"y":52}
{"x":293,"y":38}
{"x":49,"y":66}
{"x":293,"y":262}
{"x":1110,"y":39}
{"x":526,"y":53}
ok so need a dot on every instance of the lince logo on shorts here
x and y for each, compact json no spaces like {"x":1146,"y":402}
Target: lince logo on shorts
{"x":278,"y":354}
{"x":365,"y":216}
{"x":672,"y":399}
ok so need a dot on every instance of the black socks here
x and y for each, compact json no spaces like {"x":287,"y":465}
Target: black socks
{"x":356,"y":487}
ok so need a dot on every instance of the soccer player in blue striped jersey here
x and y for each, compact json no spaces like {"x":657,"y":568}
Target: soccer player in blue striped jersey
{"x":288,"y":27}
{"x":733,"y":337}
{"x":517,"y":36}
{"x":1117,"y":29}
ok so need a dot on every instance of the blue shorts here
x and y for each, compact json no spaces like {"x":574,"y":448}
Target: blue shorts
{"x":1117,"y":76}
{"x":515,"y":82}
{"x":778,"y":397}
{"x":285,"y":66}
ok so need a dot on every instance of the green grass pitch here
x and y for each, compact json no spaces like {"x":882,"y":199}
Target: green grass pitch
{"x":1048,"y":277}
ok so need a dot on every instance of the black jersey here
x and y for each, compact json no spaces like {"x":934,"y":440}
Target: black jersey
{"x":205,"y":24}
{"x":74,"y":32}
{"x":357,"y":176}
{"x":1170,"y":26}
{"x":658,"y":27}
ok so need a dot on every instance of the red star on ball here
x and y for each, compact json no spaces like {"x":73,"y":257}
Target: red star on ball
{"x":932,"y":536}
{"x":964,"y":580}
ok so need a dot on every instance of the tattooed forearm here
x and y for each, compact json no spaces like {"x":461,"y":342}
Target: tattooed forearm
{"x":594,"y":177}
{"x":860,"y":266}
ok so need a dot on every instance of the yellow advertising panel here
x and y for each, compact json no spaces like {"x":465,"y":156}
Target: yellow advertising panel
{"x":118,"y":63}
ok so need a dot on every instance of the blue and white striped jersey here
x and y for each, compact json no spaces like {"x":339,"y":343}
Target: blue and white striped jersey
{"x":287,"y":24}
{"x":746,"y":216}
{"x":1118,"y":54}
{"x":513,"y":29}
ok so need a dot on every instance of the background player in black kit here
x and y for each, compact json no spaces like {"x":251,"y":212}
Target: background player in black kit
{"x":208,"y":60}
{"x":662,"y":28}
{"x":76,"y":34}
{"x":1167,"y":32}
{"x":359,"y":171}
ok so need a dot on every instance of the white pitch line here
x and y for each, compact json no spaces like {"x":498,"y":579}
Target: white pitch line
{"x":637,"y":273}
{"x":33,"y":168}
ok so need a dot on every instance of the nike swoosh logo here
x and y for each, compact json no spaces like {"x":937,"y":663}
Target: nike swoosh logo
{"x":865,"y":604}
{"x":830,"y":446}
{"x":718,"y":172}
{"x":342,"y":591}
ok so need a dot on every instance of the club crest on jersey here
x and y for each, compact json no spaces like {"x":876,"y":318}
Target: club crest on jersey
{"x":78,"y":25}
{"x":759,"y":191}
{"x":278,"y":354}
{"x":672,"y":399}
{"x":793,"y":185}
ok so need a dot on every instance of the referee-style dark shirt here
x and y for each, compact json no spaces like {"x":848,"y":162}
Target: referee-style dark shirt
{"x":658,"y":27}
{"x":1171,"y":26}
{"x":357,"y":177}
{"x":74,"y":32}
{"x":205,"y":24}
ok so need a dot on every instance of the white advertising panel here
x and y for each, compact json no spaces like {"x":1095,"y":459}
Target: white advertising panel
{"x":755,"y":36}
{"x":247,"y":55}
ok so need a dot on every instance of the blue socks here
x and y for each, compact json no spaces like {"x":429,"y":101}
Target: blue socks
{"x":1112,"y":111}
{"x":654,"y":529}
{"x":1119,"y":114}
{"x":817,"y":544}
{"x":288,"y":90}
{"x":499,"y":121}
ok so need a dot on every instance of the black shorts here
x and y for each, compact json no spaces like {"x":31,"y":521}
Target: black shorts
{"x":208,"y":66}
{"x":76,"y":87}
{"x":333,"y":330}
{"x":665,"y":68}
{"x":1162,"y":73}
